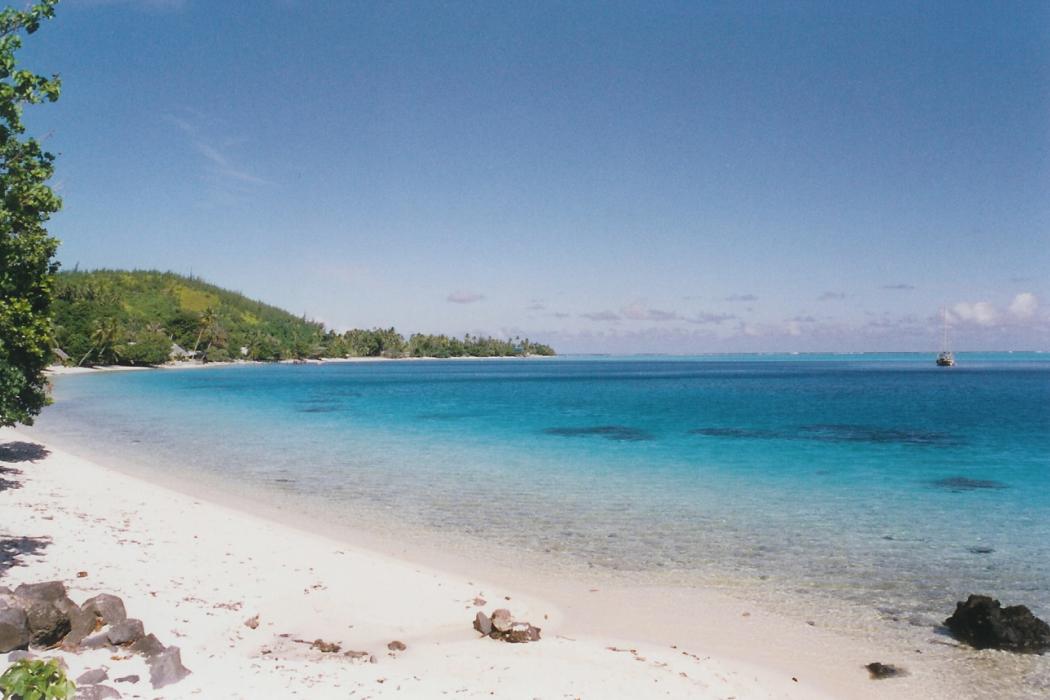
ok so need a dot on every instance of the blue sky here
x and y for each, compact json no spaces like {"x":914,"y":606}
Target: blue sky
{"x":613,"y":177}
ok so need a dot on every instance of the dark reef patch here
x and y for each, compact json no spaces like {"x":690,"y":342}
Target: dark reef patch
{"x":620,"y":433}
{"x":963,"y":483}
{"x":740,"y":433}
{"x":847,"y":432}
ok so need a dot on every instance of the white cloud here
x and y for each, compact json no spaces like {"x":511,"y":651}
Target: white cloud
{"x":1024,"y":305}
{"x":980,"y":312}
{"x":464,"y":297}
{"x":640,"y":312}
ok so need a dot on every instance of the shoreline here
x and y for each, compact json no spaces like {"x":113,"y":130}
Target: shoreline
{"x":60,"y":370}
{"x":738,"y":639}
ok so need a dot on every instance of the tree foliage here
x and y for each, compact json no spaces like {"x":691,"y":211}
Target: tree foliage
{"x":117,"y":317}
{"x":27,"y":265}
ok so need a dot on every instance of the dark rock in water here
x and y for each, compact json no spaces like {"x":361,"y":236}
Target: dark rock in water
{"x":148,"y":646}
{"x":14,"y":627}
{"x":962,"y":483}
{"x":92,"y":677}
{"x":106,"y":607}
{"x":166,"y":668}
{"x":96,"y":692}
{"x":983,"y":623}
{"x":621,"y":433}
{"x":127,"y":632}
{"x":880,"y":671}
{"x":483,"y":624}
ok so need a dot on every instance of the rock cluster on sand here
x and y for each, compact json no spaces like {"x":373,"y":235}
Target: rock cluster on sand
{"x":41,"y":615}
{"x":502,"y":626}
{"x":983,"y":623}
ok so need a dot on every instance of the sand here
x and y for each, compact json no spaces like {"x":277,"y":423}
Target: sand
{"x":194,"y":571}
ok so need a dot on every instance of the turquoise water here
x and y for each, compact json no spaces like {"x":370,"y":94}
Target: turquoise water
{"x":882,"y":481}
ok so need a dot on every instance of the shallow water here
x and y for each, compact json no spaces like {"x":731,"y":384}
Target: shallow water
{"x":881,"y":481}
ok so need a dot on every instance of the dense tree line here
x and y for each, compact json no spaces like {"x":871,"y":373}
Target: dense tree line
{"x":107,"y":317}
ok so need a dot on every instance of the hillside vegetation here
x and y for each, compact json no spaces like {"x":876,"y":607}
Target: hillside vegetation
{"x":106,"y":317}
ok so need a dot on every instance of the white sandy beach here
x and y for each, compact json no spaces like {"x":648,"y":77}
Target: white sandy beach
{"x":194,"y":571}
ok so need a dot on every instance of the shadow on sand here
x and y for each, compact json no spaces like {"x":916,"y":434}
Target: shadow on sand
{"x":14,"y":549}
{"x":22,"y":452}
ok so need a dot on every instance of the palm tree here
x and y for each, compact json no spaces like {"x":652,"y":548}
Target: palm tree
{"x":207,"y":323}
{"x":103,"y":341}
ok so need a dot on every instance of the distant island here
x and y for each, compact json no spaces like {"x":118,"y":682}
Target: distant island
{"x":147,"y":317}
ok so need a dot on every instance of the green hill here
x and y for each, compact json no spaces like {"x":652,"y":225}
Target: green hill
{"x":134,"y":317}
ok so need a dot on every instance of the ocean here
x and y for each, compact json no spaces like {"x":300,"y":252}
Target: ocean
{"x":873,"y":483}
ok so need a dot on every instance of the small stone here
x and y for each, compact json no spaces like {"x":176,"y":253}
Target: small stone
{"x":148,"y":646}
{"x":127,"y":632}
{"x":166,"y":668}
{"x":502,"y":620}
{"x":879,"y":671}
{"x":96,"y":692}
{"x":82,"y":574}
{"x":92,"y":677}
{"x":522,"y":632}
{"x":483,"y":624}
{"x":252,"y":622}
{"x":357,"y":655}
{"x":479,"y":602}
{"x":325,"y":647}
{"x":127,"y":679}
{"x":396,"y":646}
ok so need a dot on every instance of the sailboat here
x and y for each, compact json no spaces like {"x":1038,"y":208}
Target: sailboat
{"x":945,"y":358}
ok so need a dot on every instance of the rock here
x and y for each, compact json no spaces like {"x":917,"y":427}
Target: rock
{"x":127,"y":632}
{"x":49,"y":590}
{"x":502,"y":626}
{"x":97,"y":641}
{"x":396,"y":646}
{"x":19,"y":655}
{"x":96,"y":692}
{"x":81,"y":625}
{"x":502,"y":620}
{"x":14,"y":628}
{"x":127,"y":679}
{"x":108,"y":608}
{"x":483,"y":624}
{"x":166,"y":668}
{"x":325,"y":647}
{"x":358,"y":655}
{"x":479,"y":602}
{"x":48,"y":623}
{"x":92,"y":677}
{"x":148,"y":646}
{"x":522,"y":632}
{"x":252,"y":622}
{"x":879,"y":671}
{"x":983,"y":623}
